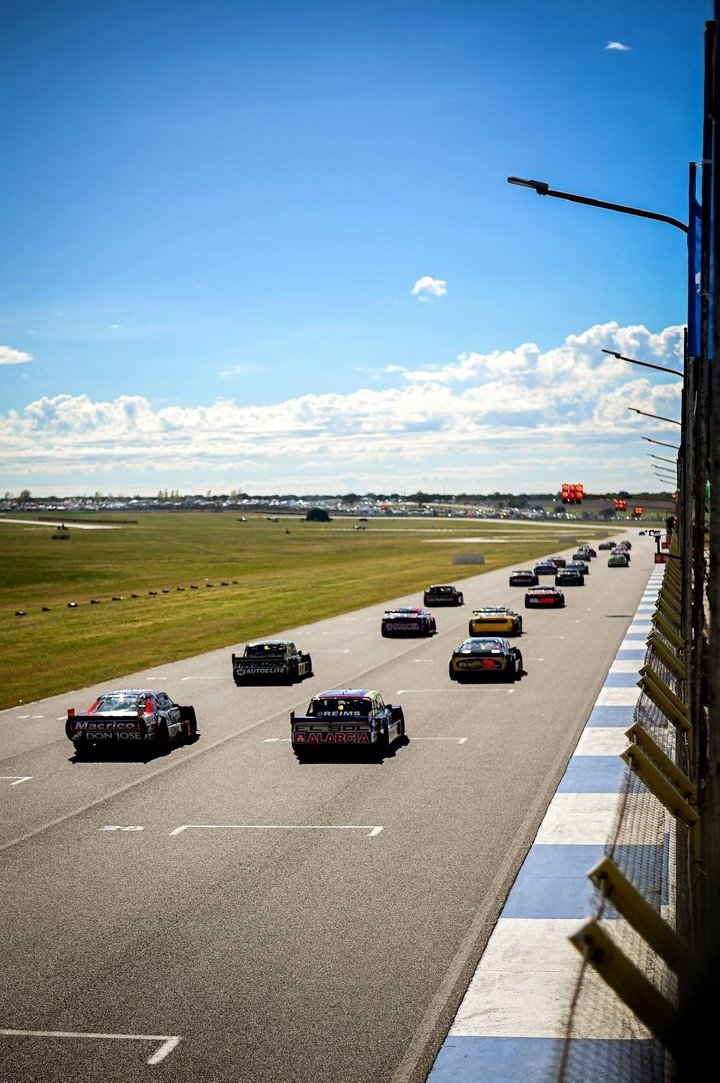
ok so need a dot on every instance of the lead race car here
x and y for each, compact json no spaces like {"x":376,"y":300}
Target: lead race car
{"x":407,"y":621}
{"x":485,"y":656}
{"x":495,"y":620}
{"x":442,"y":594}
{"x":344,"y":718}
{"x":131,"y":716}
{"x":271,"y":659}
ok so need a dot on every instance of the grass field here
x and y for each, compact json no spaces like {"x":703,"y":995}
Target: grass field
{"x":277,"y":575}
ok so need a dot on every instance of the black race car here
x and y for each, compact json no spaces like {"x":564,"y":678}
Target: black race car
{"x":580,"y":566}
{"x":544,"y":596}
{"x":485,"y":656}
{"x":606,"y":545}
{"x":569,"y":577}
{"x":545,"y":567}
{"x":407,"y":621}
{"x":523,"y":577}
{"x":618,"y":559}
{"x":271,"y":660}
{"x":347,"y":718}
{"x":442,"y":594}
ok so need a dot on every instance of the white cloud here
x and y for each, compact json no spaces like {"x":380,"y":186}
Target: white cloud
{"x":617,"y":47}
{"x":427,"y":287}
{"x":509,"y":418}
{"x":8,"y":356}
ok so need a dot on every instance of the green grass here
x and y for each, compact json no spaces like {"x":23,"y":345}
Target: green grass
{"x":281,"y":579}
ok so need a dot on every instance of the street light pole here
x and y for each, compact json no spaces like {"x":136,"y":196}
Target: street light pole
{"x":645,"y":364}
{"x":656,"y":416}
{"x":544,"y":189}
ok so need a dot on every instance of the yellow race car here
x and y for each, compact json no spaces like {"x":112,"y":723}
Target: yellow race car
{"x":495,"y":620}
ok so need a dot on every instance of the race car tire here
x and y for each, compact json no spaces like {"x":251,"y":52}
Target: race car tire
{"x":451,"y":673}
{"x":383,"y":741}
{"x":82,"y":748}
{"x":161,"y":740}
{"x":310,"y":668}
{"x":292,"y":673}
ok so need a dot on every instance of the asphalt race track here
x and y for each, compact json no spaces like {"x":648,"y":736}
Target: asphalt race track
{"x":280,"y":936}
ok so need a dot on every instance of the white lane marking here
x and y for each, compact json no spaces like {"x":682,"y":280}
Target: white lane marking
{"x":205,"y":677}
{"x":272,"y":740}
{"x":373,"y":830}
{"x":625,"y":665}
{"x":423,"y":659}
{"x":169,"y":1042}
{"x":458,"y":740}
{"x":17,"y":779}
{"x":487,"y":688}
{"x":118,"y":827}
{"x":587,"y":819}
{"x":601,"y":741}
{"x":527,"y":971}
{"x":618,"y":697}
{"x":23,"y":716}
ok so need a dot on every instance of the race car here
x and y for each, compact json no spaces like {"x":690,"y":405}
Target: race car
{"x":559,"y":562}
{"x":130,"y":717}
{"x":407,"y":621}
{"x":544,"y":596}
{"x":495,"y":620}
{"x":569,"y":577}
{"x":623,"y":551}
{"x":442,"y":594}
{"x":579,"y":565}
{"x":584,"y":553}
{"x":271,"y":660}
{"x":606,"y":545}
{"x":618,"y":560}
{"x":523,"y":577}
{"x":485,"y":656}
{"x":347,"y":718}
{"x":545,"y":567}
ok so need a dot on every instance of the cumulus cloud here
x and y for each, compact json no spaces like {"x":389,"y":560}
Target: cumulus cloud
{"x":617,"y":47}
{"x":8,"y":356}
{"x":427,"y":287}
{"x":498,"y":419}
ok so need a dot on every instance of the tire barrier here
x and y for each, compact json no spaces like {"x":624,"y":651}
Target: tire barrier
{"x":134,"y":596}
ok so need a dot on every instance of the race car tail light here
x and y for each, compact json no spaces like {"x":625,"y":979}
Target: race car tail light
{"x":71,"y":712}
{"x":488,"y":664}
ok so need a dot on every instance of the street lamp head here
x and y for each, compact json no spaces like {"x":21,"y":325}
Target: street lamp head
{"x":538,"y":186}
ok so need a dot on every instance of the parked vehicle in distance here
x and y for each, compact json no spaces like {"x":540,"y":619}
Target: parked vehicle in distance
{"x":485,"y":656}
{"x":523,"y":577}
{"x":569,"y":577}
{"x":442,"y":594}
{"x":544,"y":596}
{"x":271,"y":660}
{"x":495,"y":620}
{"x":346,"y":718}
{"x":407,"y":621}
{"x":130,"y":716}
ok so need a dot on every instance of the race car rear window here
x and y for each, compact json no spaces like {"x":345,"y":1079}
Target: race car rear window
{"x":115,"y":702}
{"x":333,"y":708}
{"x":262,"y":650}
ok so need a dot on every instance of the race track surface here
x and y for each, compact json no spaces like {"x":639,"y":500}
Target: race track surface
{"x":280,"y":937}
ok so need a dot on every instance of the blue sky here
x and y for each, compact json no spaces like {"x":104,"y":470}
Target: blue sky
{"x":215,"y":215}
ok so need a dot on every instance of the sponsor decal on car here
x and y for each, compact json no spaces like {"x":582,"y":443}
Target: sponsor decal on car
{"x":353,"y":737}
{"x":402,"y":626}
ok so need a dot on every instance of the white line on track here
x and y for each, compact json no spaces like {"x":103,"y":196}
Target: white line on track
{"x":118,"y":827}
{"x":459,"y":740}
{"x":274,"y":740}
{"x":25,"y":716}
{"x":169,"y":1042}
{"x":373,"y":830}
{"x":205,"y":677}
{"x":17,"y":779}
{"x":487,"y":688}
